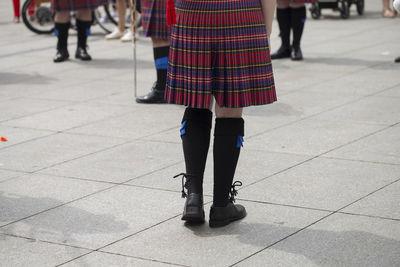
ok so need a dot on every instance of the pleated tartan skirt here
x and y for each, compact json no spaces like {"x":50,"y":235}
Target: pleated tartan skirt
{"x":74,"y":5}
{"x":219,"y":49}
{"x":154,"y":18}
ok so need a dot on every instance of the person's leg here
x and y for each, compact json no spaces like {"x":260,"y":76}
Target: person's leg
{"x":387,"y":12}
{"x":397,"y":60}
{"x":228,"y":138}
{"x":16,"y":5}
{"x":83,"y":23}
{"x":195,"y":134}
{"x":160,"y":51}
{"x":61,"y":29}
{"x":298,"y":18}
{"x":121,"y":9}
{"x":284,"y":22}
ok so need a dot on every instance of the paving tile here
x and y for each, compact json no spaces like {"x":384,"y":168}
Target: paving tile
{"x":101,"y":259}
{"x":84,"y":91}
{"x":50,"y":150}
{"x":120,"y":164}
{"x":27,"y":107}
{"x":252,"y":166}
{"x":137,"y":123}
{"x":392,"y":92}
{"x":30,"y":194}
{"x":100,"y":219}
{"x":359,"y":83}
{"x":322,"y":183}
{"x":310,"y":136}
{"x":5,"y":175}
{"x":69,"y":117}
{"x":339,"y":240}
{"x":16,"y":251}
{"x":384,"y":203}
{"x":373,"y":110}
{"x":264,"y":225}
{"x":16,"y":135}
{"x":381,"y":147}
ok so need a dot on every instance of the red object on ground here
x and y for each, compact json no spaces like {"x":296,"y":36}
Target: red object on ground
{"x":171,"y":15}
{"x":3,"y":139}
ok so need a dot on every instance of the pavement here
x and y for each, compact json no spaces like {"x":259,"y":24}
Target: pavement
{"x":86,"y":173}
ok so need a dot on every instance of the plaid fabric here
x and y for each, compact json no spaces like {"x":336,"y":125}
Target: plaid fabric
{"x":219,"y":48}
{"x":74,"y":5}
{"x":154,"y":18}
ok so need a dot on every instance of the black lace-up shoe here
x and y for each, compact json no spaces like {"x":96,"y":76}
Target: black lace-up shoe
{"x":296,"y":54}
{"x":194,"y":210}
{"x":221,"y":216}
{"x":82,"y":54}
{"x":283,"y":52}
{"x":62,"y":55}
{"x":155,"y":96}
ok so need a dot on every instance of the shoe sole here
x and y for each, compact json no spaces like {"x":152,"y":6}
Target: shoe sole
{"x":194,"y":217}
{"x":151,"y":102}
{"x":215,"y":224}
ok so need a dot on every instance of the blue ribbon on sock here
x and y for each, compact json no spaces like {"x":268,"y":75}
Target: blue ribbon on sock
{"x":162,"y":63}
{"x":56,"y":32}
{"x":88,"y":31}
{"x":183,"y":128}
{"x":240,"y":141}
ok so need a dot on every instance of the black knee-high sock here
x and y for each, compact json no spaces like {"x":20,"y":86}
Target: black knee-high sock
{"x":161,"y":61}
{"x":61,"y":31}
{"x":228,"y":138}
{"x":284,"y":21}
{"x":83,"y":32}
{"x":195,"y":134}
{"x":298,"y":17}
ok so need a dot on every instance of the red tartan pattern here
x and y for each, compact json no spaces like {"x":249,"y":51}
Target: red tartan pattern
{"x":154,"y":18}
{"x":219,"y":48}
{"x":74,"y":5}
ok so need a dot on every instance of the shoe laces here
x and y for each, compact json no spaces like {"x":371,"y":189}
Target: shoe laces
{"x":184,"y":184}
{"x":233,"y":191}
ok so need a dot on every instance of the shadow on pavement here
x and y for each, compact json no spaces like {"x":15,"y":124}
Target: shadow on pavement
{"x":324,"y":248}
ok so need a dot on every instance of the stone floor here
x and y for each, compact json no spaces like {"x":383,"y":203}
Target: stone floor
{"x":86,"y":173}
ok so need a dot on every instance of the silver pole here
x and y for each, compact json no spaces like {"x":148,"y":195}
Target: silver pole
{"x":133,"y":28}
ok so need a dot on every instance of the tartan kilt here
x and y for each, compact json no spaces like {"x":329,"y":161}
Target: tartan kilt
{"x":154,"y":18}
{"x":219,"y":48}
{"x":74,"y":5}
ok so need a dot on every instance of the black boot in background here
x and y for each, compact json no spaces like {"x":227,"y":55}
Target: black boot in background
{"x":83,"y":32}
{"x":228,"y":138}
{"x":195,"y":135}
{"x":156,"y":95}
{"x":61,"y":31}
{"x":284,"y":21}
{"x":298,"y":16}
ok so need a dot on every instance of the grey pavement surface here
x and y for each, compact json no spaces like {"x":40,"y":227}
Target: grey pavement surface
{"x":86,"y":173}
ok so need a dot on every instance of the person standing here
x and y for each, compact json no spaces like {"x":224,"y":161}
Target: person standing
{"x":62,"y":19}
{"x":17,"y":13}
{"x":386,"y":10}
{"x":291,"y":16}
{"x":155,"y":26}
{"x":219,"y":50}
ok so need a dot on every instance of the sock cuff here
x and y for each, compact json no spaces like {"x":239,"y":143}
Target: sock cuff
{"x":203,"y":116}
{"x":299,"y":10}
{"x":62,"y":26}
{"x":160,"y":52}
{"x":84,"y":24}
{"x":229,"y":127}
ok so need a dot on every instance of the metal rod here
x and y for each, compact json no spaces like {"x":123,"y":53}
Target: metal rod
{"x":133,"y":29}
